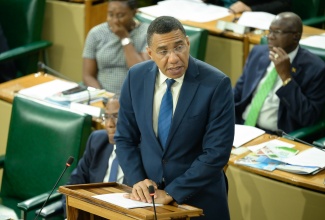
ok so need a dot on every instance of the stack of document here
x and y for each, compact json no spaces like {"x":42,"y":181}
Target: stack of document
{"x":276,"y":154}
{"x":54,"y":92}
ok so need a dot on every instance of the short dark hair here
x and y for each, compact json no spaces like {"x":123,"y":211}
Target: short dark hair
{"x":163,"y":25}
{"x":133,"y":4}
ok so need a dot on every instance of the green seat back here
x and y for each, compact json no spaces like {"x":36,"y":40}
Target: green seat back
{"x":22,"y":23}
{"x":198,"y":37}
{"x":312,"y":12}
{"x":41,"y":138}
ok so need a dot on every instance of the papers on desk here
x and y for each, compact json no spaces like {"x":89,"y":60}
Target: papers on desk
{"x":259,"y":20}
{"x":244,"y":134}
{"x":52,"y":92}
{"x":317,"y":41}
{"x":186,"y":10}
{"x":119,"y":200}
{"x":276,"y":154}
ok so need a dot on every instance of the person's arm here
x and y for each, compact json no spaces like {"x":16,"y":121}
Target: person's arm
{"x":132,"y":56}
{"x":89,"y":74}
{"x":273,"y":7}
{"x":303,"y":97}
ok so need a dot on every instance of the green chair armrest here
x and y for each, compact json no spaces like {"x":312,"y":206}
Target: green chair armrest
{"x":51,"y":210}
{"x":24,"y":50}
{"x":2,"y":161}
{"x":320,"y":143}
{"x":309,"y":131}
{"x":314,"y":20}
{"x":37,"y":201}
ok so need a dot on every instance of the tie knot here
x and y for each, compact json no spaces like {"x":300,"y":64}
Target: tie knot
{"x":169,"y":83}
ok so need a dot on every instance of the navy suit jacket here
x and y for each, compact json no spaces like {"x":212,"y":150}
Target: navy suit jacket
{"x":301,"y":101}
{"x":200,"y":139}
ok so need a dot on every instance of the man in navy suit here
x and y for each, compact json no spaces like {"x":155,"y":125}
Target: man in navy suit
{"x":187,"y":166}
{"x":96,"y":164}
{"x":297,"y":98}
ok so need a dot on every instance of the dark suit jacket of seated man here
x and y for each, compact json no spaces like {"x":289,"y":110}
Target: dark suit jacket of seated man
{"x":298,"y":96}
{"x":96,"y":162}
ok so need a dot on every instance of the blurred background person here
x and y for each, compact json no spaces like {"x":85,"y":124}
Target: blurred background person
{"x":282,"y":85}
{"x":99,"y":162}
{"x":111,"y":48}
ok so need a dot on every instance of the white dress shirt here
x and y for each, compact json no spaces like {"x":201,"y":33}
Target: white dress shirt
{"x":120,"y":174}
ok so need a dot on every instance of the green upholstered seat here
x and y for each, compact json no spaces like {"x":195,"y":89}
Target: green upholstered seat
{"x":41,"y":138}
{"x":22,"y":24}
{"x":312,"y":12}
{"x":198,"y":37}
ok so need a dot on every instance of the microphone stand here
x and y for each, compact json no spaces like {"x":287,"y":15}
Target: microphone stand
{"x":68,"y":164}
{"x":152,"y":193}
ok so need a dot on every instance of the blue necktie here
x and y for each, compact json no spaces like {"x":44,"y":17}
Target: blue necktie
{"x":114,"y":169}
{"x":165,"y":114}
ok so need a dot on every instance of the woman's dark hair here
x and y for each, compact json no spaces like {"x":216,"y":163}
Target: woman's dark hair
{"x":133,"y":4}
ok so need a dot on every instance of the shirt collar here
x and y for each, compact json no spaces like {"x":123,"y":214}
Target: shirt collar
{"x":162,"y":78}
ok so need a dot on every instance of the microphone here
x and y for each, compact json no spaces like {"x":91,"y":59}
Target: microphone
{"x":281,"y":133}
{"x":68,"y":164}
{"x":42,"y":66}
{"x":152,"y":193}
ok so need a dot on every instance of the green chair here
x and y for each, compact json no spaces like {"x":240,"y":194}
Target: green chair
{"x":312,"y":12}
{"x":41,"y":138}
{"x":22,"y":23}
{"x":198,"y":37}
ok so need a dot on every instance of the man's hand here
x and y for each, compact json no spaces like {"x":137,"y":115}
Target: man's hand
{"x":281,"y":62}
{"x":140,"y":192}
{"x":239,"y":7}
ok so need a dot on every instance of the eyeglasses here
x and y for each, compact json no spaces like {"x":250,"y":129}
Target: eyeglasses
{"x":177,"y":50}
{"x":106,"y":117}
{"x":279,"y":32}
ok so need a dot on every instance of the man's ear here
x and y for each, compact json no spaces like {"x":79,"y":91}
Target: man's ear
{"x":149,"y":51}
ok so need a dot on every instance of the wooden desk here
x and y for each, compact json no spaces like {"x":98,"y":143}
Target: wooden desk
{"x":258,"y":194}
{"x":79,"y":197}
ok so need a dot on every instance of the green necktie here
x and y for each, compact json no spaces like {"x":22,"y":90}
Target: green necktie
{"x":260,"y":97}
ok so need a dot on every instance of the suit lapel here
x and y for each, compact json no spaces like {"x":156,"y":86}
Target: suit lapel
{"x":149,"y":89}
{"x":187,"y":93}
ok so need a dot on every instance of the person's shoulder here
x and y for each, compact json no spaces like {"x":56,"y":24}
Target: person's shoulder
{"x":207,"y":71}
{"x":99,"y":136}
{"x":142,"y":66}
{"x":305,"y":57}
{"x":102,"y":27}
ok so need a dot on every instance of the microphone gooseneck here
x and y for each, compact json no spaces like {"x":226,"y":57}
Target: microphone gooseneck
{"x":42,"y":67}
{"x":152,"y":193}
{"x":68,"y":164}
{"x":281,"y":133}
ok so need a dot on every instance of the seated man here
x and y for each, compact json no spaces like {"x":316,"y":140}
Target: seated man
{"x":99,"y":162}
{"x":282,"y":86}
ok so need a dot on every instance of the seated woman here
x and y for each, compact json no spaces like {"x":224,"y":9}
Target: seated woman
{"x":111,"y":48}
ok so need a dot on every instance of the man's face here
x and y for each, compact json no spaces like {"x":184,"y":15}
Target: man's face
{"x":170,"y":52}
{"x":282,"y":34}
{"x":111,"y":113}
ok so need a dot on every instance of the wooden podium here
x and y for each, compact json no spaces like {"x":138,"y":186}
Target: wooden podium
{"x":81,"y":204}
